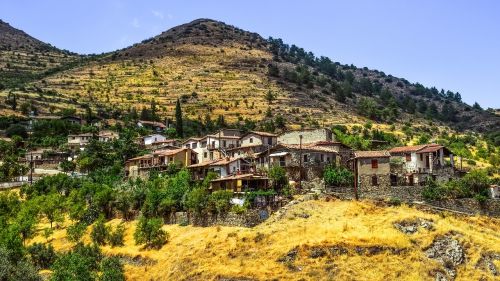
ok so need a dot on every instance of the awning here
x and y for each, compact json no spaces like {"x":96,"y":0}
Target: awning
{"x":278,"y":154}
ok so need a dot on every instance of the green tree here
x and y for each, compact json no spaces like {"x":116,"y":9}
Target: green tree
{"x":112,"y":270}
{"x":100,"y":232}
{"x":279,"y":179}
{"x":178,"y":119}
{"x":149,"y":233}
{"x":339,"y":177}
{"x":51,"y":207}
{"x":270,"y":97}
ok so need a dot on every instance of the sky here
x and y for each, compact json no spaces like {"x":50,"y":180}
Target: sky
{"x":449,"y":44}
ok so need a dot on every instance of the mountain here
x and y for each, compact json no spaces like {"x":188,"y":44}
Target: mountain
{"x":23,"y":58}
{"x":217,"y":69}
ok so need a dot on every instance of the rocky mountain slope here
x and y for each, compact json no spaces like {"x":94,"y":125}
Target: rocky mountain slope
{"x":217,"y":69}
{"x":23,"y":58}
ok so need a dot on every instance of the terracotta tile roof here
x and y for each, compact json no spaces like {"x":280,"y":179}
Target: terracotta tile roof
{"x":224,"y":161}
{"x":411,"y":148}
{"x":203,"y":164}
{"x":153,"y":123}
{"x":310,"y":147}
{"x":260,"y":133}
{"x":168,"y":152}
{"x":431,"y":148}
{"x":372,"y":154}
{"x":242,"y":176}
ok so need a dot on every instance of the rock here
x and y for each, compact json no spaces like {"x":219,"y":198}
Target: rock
{"x":412,"y":226}
{"x":289,"y":257}
{"x":317,"y":253}
{"x":338,"y":250}
{"x":303,"y":215}
{"x":447,"y":251}
{"x":486,"y":263}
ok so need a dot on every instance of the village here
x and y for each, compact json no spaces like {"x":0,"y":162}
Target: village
{"x":241,"y":160}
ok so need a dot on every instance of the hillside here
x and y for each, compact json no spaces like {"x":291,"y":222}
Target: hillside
{"x":297,"y":244}
{"x":217,"y":69}
{"x":24,"y":58}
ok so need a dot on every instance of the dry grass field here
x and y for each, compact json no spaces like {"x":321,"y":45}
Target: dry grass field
{"x":312,"y":240}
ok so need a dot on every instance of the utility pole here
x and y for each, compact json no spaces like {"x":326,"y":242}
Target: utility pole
{"x":31,"y":168}
{"x":300,"y":162}
{"x":356,"y":178}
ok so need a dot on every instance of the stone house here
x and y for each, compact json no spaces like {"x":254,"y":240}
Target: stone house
{"x":214,"y":146}
{"x":240,"y":183}
{"x":79,"y":141}
{"x":253,"y":142}
{"x":47,"y":158}
{"x":308,"y":136}
{"x":150,"y":139}
{"x":231,"y":166}
{"x":158,"y":161}
{"x":414,"y":164}
{"x":308,"y":160}
{"x":372,"y":170}
{"x":153,"y":125}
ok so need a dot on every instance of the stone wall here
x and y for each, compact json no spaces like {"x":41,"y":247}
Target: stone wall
{"x":491,"y":207}
{"x":308,"y":136}
{"x":248,"y":219}
{"x":413,"y":194}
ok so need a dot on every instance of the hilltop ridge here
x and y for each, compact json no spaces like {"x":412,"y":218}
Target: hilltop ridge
{"x":218,"y":69}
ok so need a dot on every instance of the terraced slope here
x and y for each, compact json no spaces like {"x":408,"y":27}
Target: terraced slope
{"x":24,"y":58}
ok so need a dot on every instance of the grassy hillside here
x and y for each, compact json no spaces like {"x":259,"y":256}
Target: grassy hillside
{"x":312,"y":240}
{"x":219,"y":69}
{"x":24,"y":58}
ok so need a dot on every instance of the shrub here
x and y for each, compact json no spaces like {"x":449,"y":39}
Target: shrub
{"x":338,"y":176}
{"x":278,"y":177}
{"x":42,"y":256}
{"x":76,"y":231}
{"x":149,"y":233}
{"x":394,"y":201}
{"x":82,"y":263}
{"x":100,"y":232}
{"x":116,"y":237}
{"x":112,"y":270}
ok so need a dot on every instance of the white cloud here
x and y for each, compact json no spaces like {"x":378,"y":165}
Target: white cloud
{"x":135,"y":23}
{"x":158,"y":14}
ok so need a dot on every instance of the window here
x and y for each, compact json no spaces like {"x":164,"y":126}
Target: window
{"x":205,"y":154}
{"x":194,"y":145}
{"x":282,"y":161}
{"x":322,"y":158}
{"x":408,"y":157}
{"x":171,"y":159}
{"x":421,"y":157}
{"x":211,"y":155}
{"x":269,"y":140}
{"x":224,"y":143}
{"x":251,"y":140}
{"x":374,"y":163}
{"x":374,"y":180}
{"x":305,"y":158}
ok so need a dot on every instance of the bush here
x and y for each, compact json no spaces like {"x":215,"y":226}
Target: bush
{"x":338,"y":176}
{"x":100,"y":232}
{"x":116,"y":237}
{"x":76,"y":231}
{"x":394,"y":201}
{"x":278,"y":177}
{"x":149,"y":233}
{"x":42,"y":256}
{"x":82,"y":263}
{"x":16,"y":130}
{"x":112,"y":270}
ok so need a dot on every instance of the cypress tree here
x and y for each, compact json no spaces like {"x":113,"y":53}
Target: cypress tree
{"x":178,"y":119}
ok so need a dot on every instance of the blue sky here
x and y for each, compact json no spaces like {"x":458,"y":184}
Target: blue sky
{"x":453,"y":44}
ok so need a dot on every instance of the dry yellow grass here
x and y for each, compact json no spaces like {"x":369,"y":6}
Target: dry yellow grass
{"x":212,"y":253}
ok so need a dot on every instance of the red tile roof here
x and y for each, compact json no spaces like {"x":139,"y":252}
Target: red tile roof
{"x":372,"y":154}
{"x":411,"y":148}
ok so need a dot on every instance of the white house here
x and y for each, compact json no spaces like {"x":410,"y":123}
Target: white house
{"x":420,"y":161}
{"x":150,"y":139}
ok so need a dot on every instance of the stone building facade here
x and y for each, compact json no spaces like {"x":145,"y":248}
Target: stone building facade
{"x":308,"y":136}
{"x":372,"y":170}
